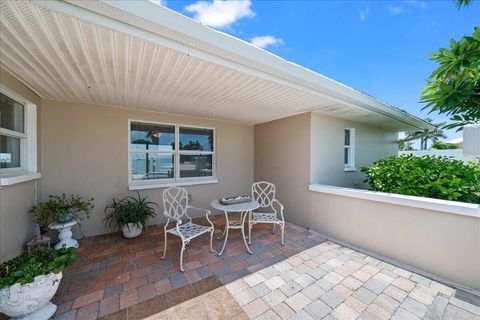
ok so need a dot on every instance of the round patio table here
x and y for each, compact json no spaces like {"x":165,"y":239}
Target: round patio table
{"x":244,"y":209}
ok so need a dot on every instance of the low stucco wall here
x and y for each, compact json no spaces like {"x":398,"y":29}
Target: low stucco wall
{"x":85,"y":152}
{"x":445,"y":244}
{"x":441,"y":243}
{"x":16,"y":224}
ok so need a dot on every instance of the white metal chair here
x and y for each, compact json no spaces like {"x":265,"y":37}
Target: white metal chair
{"x":175,"y":203}
{"x":271,"y":210}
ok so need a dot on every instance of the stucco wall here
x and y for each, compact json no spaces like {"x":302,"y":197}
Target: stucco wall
{"x":16,"y":225}
{"x":445,"y":244}
{"x":437,"y":242}
{"x":85,"y":152}
{"x":282,"y":149}
{"x":327,"y":150}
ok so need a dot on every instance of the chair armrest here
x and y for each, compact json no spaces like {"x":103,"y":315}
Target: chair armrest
{"x":280,"y":205}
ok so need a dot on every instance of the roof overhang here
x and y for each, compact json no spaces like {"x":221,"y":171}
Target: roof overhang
{"x":140,"y":55}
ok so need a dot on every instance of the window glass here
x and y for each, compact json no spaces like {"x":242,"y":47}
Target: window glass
{"x":9,"y":152}
{"x":147,"y":166}
{"x":196,"y":139}
{"x":11,"y":114}
{"x":195,"y":166}
{"x":144,"y":136}
{"x":347,"y":137}
{"x":345,"y":158}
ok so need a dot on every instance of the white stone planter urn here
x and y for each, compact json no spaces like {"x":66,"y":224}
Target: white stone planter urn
{"x":131,"y":230}
{"x":32,"y":300}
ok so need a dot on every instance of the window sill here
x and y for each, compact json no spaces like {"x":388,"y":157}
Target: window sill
{"x":12,"y":178}
{"x":349,"y":169}
{"x":143,"y":186}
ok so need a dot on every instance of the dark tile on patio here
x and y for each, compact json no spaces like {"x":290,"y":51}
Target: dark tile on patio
{"x":131,"y":272}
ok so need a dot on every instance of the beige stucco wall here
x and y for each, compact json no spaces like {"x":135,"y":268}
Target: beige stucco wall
{"x":327,"y":150}
{"x":16,"y":225}
{"x":282,"y":149}
{"x":85,"y":152}
{"x":441,"y":243}
{"x":445,"y":244}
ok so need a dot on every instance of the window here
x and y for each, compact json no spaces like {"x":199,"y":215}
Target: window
{"x":168,"y":154}
{"x":349,"y":150}
{"x":12,"y":123}
{"x":18,"y":141}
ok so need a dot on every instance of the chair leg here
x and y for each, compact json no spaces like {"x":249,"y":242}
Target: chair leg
{"x":273,"y":229}
{"x":282,"y":226}
{"x":249,"y":233}
{"x":165,"y":242}
{"x":181,"y":256}
{"x":211,"y":239}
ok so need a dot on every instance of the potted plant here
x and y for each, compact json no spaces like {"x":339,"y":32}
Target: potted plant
{"x":29,"y":281}
{"x":129,"y":214}
{"x":61,"y":209}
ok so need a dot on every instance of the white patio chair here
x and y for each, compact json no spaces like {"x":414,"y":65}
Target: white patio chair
{"x":175,"y":203}
{"x":271,"y":210}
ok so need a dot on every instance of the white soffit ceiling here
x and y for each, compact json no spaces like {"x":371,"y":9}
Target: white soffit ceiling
{"x":64,"y":58}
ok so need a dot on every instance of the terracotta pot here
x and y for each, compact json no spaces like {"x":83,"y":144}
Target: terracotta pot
{"x":32,"y":300}
{"x":131,"y":230}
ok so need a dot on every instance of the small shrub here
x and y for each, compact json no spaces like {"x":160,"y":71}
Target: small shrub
{"x":24,"y":268}
{"x":427,"y":176}
{"x":439,"y":145}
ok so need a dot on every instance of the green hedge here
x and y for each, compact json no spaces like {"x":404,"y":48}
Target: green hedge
{"x":427,"y":176}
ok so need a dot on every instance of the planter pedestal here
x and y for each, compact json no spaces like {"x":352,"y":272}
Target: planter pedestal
{"x":46,"y":312}
{"x":65,"y":234}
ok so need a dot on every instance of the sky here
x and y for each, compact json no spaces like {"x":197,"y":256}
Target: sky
{"x":379,"y":47}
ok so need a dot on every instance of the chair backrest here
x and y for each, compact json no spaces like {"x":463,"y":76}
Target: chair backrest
{"x":175,"y":202}
{"x":264,"y":193}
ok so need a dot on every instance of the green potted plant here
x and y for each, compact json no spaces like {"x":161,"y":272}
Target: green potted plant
{"x":29,"y":281}
{"x":61,"y":209}
{"x":129,"y":214}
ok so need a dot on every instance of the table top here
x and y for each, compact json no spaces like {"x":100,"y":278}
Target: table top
{"x":238,"y":207}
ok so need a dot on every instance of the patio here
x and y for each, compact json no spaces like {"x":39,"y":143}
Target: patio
{"x":307,"y":278}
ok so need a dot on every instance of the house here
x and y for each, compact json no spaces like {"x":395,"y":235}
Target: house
{"x":105,"y":98}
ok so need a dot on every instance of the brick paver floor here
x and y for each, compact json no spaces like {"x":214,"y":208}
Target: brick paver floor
{"x":112,"y":274}
{"x":329,"y":281}
{"x":308,"y":278}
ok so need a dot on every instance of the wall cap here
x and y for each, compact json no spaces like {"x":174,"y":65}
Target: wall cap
{"x":453,"y":207}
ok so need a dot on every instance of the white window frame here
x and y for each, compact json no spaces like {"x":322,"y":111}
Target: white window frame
{"x":176,"y":180}
{"x":350,"y":166}
{"x":28,"y":143}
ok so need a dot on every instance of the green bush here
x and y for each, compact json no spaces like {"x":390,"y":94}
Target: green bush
{"x":427,"y":176}
{"x":439,"y":145}
{"x":25,"y":267}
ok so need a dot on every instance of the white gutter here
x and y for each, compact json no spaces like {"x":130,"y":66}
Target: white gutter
{"x":165,"y":27}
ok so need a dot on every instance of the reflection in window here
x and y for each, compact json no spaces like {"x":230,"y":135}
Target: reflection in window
{"x":196,"y":139}
{"x":169,"y":152}
{"x":147,"y":166}
{"x":11,"y":114}
{"x":9,"y":152}
{"x":152,"y":137}
{"x":195,"y":166}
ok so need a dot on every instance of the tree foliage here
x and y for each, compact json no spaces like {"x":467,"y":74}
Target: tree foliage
{"x":432,"y":135}
{"x":427,"y":176}
{"x":439,"y":145}
{"x":453,"y":88}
